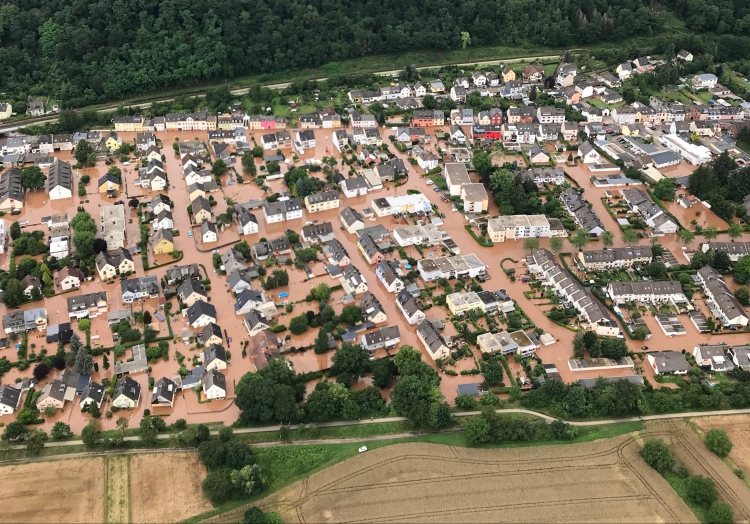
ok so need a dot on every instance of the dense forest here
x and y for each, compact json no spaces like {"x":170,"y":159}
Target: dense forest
{"x":84,"y":52}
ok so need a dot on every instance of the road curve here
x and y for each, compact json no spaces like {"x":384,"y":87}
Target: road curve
{"x":266,"y":429}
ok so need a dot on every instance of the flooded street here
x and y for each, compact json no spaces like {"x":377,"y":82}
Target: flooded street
{"x":187,"y":404}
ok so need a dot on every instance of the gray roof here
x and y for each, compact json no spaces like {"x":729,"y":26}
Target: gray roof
{"x":210,"y":330}
{"x":200,"y":308}
{"x":9,"y":396}
{"x":60,"y":174}
{"x":148,"y":284}
{"x":370,"y":305}
{"x":188,"y":287}
{"x":207,"y":227}
{"x":350,"y":216}
{"x":430,"y":335}
{"x":129,"y":388}
{"x":164,"y":390}
{"x":382,"y":335}
{"x":94,"y":391}
{"x":408,"y":302}
{"x":214,"y":378}
{"x":670,"y":361}
{"x":617,"y":254}
{"x":10,"y":185}
{"x":214,"y":352}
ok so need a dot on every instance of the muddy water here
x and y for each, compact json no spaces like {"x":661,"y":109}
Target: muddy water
{"x":187,"y":404}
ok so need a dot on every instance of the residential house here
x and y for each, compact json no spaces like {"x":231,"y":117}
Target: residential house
{"x":668,"y":363}
{"x":273,"y":248}
{"x":353,"y":282}
{"x":255,"y":322}
{"x":432,"y":341}
{"x":615,"y":258}
{"x":60,"y":180}
{"x":120,"y":262}
{"x":11,"y":190}
{"x":385,"y":337}
{"x":409,"y":307}
{"x":209,"y":233}
{"x":10,"y":397}
{"x":162,"y":242}
{"x":320,"y":233}
{"x":163,"y":220}
{"x":711,"y":358}
{"x":456,"y":175}
{"x":160,"y":203}
{"x":191,"y":291}
{"x":214,"y":357}
{"x":214,"y":385}
{"x":211,"y":334}
{"x":90,"y":305}
{"x":475,"y":199}
{"x":389,"y":276}
{"x":24,"y":321}
{"x":29,"y":283}
{"x":533,"y":74}
{"x":53,"y":395}
{"x":705,"y":81}
{"x":233,"y":260}
{"x":351,"y":219}
{"x":201,"y":209}
{"x":93,"y":393}
{"x":286,"y":208}
{"x":322,"y":201}
{"x":508,"y":74}
{"x":588,"y":154}
{"x":201,"y":314}
{"x":515,"y":227}
{"x":372,"y":310}
{"x":127,"y":393}
{"x":68,"y":278}
{"x":163,"y":393}
{"x":139,"y":288}
{"x":247,"y":300}
{"x":722,"y":303}
{"x":176,"y":274}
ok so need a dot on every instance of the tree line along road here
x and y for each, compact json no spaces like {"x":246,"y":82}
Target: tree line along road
{"x":340,"y":423}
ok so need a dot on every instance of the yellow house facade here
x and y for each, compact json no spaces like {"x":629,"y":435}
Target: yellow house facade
{"x":129,"y":123}
{"x":6,"y":110}
{"x":461,"y":303}
{"x":322,"y":201}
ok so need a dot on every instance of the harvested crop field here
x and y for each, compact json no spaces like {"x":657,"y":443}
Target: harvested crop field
{"x":602,"y":481}
{"x":738,"y":429}
{"x":60,"y":491}
{"x":166,"y":487}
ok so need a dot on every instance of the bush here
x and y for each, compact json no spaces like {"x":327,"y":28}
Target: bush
{"x":466,"y":401}
{"x":720,"y":513}
{"x":717,"y":441}
{"x":701,"y":490}
{"x":657,"y":454}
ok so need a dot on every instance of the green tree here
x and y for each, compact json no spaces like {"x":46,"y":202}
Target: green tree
{"x":298,"y":325}
{"x":742,"y":294}
{"x":657,"y":454}
{"x":84,"y":361}
{"x":13,"y":294}
{"x":321,"y":342}
{"x":629,"y":236}
{"x":147,"y":432}
{"x":580,"y":238}
{"x":349,"y":362}
{"x":383,"y":372}
{"x":686,"y":236}
{"x":701,"y":490}
{"x":710,"y":232}
{"x":482,"y":163}
{"x":322,"y":292}
{"x":83,"y":152}
{"x":248,"y":163}
{"x":217,"y":487}
{"x":741,"y":270}
{"x":14,"y":431}
{"x":351,"y":315}
{"x":119,"y":437}
{"x":429,"y":102}
{"x":531,"y":243}
{"x":735,"y":231}
{"x":91,"y":434}
{"x":219,"y":168}
{"x":665,"y":190}
{"x":477,"y":431}
{"x":556,"y":244}
{"x":720,"y":513}
{"x":61,"y":431}
{"x":34,"y":441}
{"x":32,"y":178}
{"x":718,"y":441}
{"x":608,"y":239}
{"x":15,"y":230}
{"x":493,"y":372}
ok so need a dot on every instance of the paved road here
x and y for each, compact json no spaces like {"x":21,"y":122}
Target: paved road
{"x":547,"y":418}
{"x":12,"y":126}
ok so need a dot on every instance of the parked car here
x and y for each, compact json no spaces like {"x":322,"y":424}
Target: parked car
{"x":429,"y":182}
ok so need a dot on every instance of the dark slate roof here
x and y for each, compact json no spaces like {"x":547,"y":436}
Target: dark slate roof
{"x":128,"y":388}
{"x":200,"y":307}
{"x":214,"y":378}
{"x":94,"y":391}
